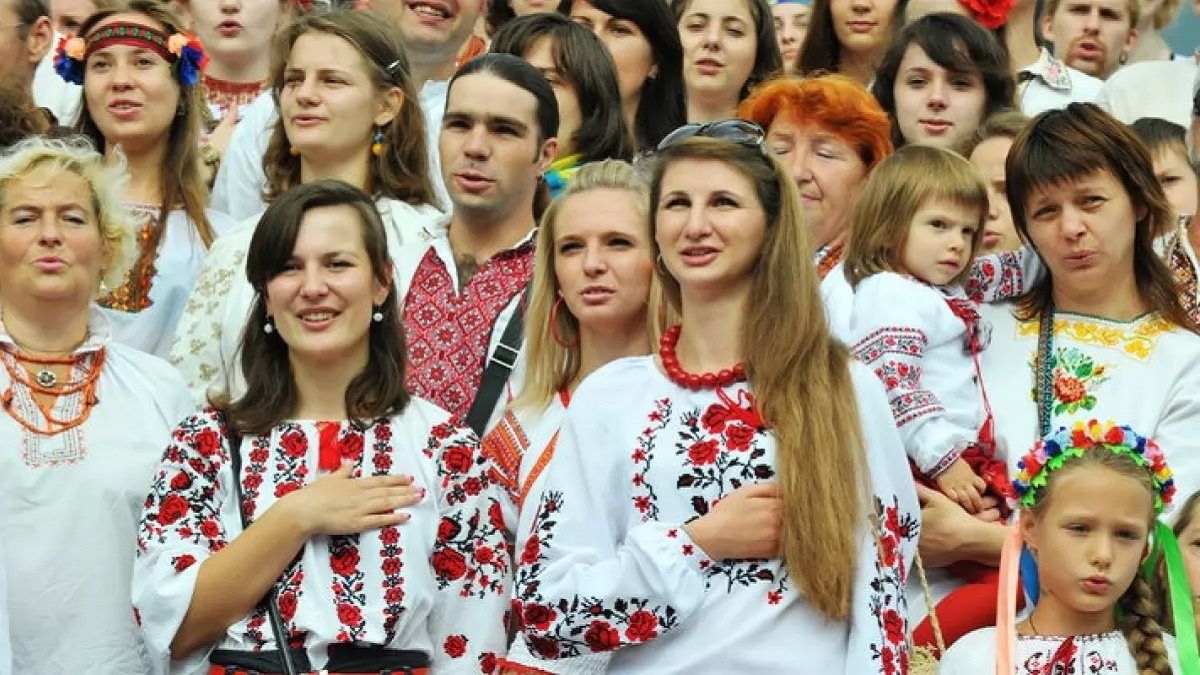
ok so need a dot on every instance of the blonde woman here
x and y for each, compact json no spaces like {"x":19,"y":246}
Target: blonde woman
{"x":589,"y":305}
{"x":701,"y":490}
{"x":85,"y":418}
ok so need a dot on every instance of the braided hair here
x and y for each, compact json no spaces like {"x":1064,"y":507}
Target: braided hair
{"x":1139,"y":623}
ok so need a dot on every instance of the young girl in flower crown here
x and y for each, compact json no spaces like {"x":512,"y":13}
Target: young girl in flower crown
{"x":1091,"y":496}
{"x":915,"y":231}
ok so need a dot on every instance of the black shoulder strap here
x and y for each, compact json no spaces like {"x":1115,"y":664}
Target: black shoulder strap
{"x":277,"y":625}
{"x":499,"y":367}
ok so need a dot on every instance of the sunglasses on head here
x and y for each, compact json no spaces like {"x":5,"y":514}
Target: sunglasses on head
{"x":737,"y":131}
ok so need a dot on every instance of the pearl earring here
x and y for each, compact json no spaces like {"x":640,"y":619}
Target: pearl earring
{"x":268,"y":327}
{"x":377,"y":317}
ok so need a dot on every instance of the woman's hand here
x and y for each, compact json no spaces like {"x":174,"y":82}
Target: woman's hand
{"x":338,"y":504}
{"x":746,"y":523}
{"x":949,"y":534}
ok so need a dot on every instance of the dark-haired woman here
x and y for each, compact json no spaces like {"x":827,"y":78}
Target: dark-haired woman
{"x":644,"y":42}
{"x":848,"y":37}
{"x":348,"y":110}
{"x":941,"y":77}
{"x":142,"y":101}
{"x":591,"y":126}
{"x":373,"y":527}
{"x":728,"y":47}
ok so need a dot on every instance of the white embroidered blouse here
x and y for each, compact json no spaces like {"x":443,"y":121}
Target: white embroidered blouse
{"x":69,"y":508}
{"x":609,"y":568}
{"x":438,"y":583}
{"x":176,"y":266}
{"x":1102,"y":654}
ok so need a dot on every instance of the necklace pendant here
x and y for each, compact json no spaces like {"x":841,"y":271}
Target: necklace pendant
{"x":46,"y":378}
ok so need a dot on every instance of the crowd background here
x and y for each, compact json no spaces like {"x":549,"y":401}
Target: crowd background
{"x":633,"y":336}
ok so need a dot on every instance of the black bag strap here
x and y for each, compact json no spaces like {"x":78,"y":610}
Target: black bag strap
{"x":277,"y":625}
{"x":499,"y":367}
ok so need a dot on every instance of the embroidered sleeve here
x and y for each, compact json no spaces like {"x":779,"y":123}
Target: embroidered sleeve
{"x":997,"y":277}
{"x":196,"y":351}
{"x":1176,"y":429}
{"x":602,"y":586}
{"x":890,"y":329}
{"x":180,"y":527}
{"x":471,"y":560}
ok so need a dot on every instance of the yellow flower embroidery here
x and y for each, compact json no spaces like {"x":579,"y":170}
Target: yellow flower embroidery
{"x":1135,"y":339}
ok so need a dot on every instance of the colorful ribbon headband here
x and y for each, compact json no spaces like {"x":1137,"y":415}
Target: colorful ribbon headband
{"x":1050,"y":453}
{"x":182,"y":50}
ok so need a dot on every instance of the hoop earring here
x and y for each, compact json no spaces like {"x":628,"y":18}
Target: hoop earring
{"x":554,"y":326}
{"x":377,"y":142}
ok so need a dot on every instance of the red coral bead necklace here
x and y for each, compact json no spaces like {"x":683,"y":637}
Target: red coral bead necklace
{"x":694,"y":381}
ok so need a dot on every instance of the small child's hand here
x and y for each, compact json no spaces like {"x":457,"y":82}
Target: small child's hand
{"x":961,"y":484}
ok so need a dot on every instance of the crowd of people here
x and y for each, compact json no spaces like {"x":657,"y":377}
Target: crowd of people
{"x":634,"y":336}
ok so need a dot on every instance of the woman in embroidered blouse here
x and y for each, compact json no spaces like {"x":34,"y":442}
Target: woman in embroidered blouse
{"x":348,"y":111}
{"x":590,"y":123}
{"x":355,"y":576}
{"x":728,"y":48}
{"x":829,"y":132}
{"x":698,"y":490}
{"x":73,"y":478}
{"x":140,"y":99}
{"x":940,"y":78}
{"x":589,"y":305}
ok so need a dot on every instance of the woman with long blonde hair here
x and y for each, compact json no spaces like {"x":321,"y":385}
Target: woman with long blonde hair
{"x":589,"y":304}
{"x":771,"y":488}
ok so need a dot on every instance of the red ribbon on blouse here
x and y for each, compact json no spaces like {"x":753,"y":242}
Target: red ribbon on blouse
{"x":329,"y":451}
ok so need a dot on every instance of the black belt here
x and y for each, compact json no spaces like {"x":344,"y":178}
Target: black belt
{"x":342,"y":658}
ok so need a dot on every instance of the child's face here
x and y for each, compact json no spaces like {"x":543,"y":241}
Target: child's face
{"x":938,"y":245}
{"x":1189,"y":542}
{"x":1088,"y":542}
{"x":1178,"y":180}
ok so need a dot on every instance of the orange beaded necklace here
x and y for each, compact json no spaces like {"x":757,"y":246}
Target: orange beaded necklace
{"x":15,"y":363}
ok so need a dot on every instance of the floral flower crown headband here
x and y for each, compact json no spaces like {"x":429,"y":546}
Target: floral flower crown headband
{"x":182,"y":50}
{"x":1051,"y":453}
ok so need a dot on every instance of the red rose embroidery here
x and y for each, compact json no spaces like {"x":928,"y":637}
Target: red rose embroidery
{"x":738,"y":436}
{"x":442,"y":431}
{"x":383,"y":461}
{"x":383,"y":432}
{"x":538,"y":617}
{"x":496,"y":515}
{"x":455,"y":646}
{"x":348,"y":614}
{"x":458,"y":459}
{"x":889,"y":661}
{"x":390,"y":536}
{"x":207,"y":442}
{"x":286,"y":487}
{"x":447,"y":529}
{"x":1069,"y":389}
{"x":294,"y":444}
{"x":887,"y":550}
{"x":181,"y":481}
{"x":345,"y":562}
{"x":533,"y":549}
{"x":287,"y":604}
{"x":893,"y":624}
{"x":473,"y":485}
{"x":183,"y":562}
{"x":171,"y":509}
{"x":449,"y":564}
{"x":352,"y":446}
{"x":210,"y":528}
{"x":258,"y":455}
{"x":642,"y":626}
{"x":487,"y":662}
{"x":394,"y":595}
{"x":703,"y":452}
{"x":715,"y":417}
{"x":601,"y":637}
{"x":484,"y":554}
{"x":392,"y":566}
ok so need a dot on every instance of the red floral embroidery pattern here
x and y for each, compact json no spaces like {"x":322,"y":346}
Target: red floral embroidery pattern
{"x":995,"y":277}
{"x":908,"y":342}
{"x":887,"y":601}
{"x":581,"y":624}
{"x":644,"y":498}
{"x":253,"y":472}
{"x":290,"y":467}
{"x":390,"y":551}
{"x":448,"y":331}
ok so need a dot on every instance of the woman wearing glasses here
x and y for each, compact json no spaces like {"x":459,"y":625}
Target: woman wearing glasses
{"x":748,"y":434}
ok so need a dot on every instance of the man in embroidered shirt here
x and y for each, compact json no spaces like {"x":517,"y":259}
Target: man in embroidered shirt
{"x":497,"y":138}
{"x":1094,"y":36}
